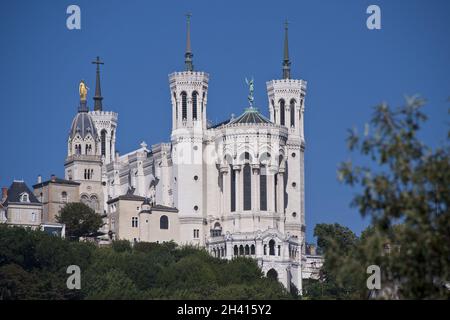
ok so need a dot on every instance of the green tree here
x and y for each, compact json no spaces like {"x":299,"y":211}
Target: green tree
{"x":80,"y":220}
{"x":337,"y":279}
{"x":406,"y":194}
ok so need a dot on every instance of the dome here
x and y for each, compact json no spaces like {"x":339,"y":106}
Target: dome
{"x":250,"y":116}
{"x":83,"y":124}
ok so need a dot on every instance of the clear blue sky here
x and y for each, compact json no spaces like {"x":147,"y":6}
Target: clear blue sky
{"x":349,"y":69}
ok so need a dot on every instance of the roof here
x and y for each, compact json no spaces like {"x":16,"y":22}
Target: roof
{"x":129,"y":197}
{"x":16,"y":189}
{"x":250,"y":116}
{"x":83,"y":124}
{"x":160,"y":207}
{"x":55,"y":180}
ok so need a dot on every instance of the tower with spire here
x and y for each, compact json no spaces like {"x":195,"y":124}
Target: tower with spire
{"x":105,"y":121}
{"x":286,"y":107}
{"x":83,"y":163}
{"x":189,"y":90}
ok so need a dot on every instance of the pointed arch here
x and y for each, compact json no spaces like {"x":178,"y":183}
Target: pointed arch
{"x":194,"y":105}
{"x":103,"y":142}
{"x":183,"y":105}
{"x":292,"y":111}
{"x":282,"y":112}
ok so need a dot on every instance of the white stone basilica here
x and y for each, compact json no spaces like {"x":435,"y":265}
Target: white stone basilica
{"x":235,"y":188}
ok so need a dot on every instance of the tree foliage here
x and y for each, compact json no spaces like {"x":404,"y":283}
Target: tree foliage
{"x":80,"y":220}
{"x":33,"y":266}
{"x":406,"y":194}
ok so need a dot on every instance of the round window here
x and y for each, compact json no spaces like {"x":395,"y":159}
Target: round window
{"x":195,"y":178}
{"x":196,"y":208}
{"x":294,"y":184}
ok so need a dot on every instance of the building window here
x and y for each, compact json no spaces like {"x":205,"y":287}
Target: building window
{"x":263,"y":189}
{"x":247,"y":250}
{"x":272,"y":247}
{"x":184,"y":105}
{"x":252,"y":249}
{"x":64,"y":197}
{"x":236,"y":250}
{"x":282,"y":112}
{"x":217,"y":231}
{"x":247,"y":187}
{"x":196,"y":233}
{"x":194,"y":105}
{"x":164,"y":222}
{"x":103,"y":142}
{"x":33,"y":217}
{"x":24,"y":197}
{"x":134,"y":222}
{"x":233,"y":189}
{"x":94,"y":203}
{"x":195,"y":208}
{"x":292,"y":110}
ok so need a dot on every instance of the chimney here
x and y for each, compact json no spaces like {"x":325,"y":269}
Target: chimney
{"x":53,"y":178}
{"x":4,"y":193}
{"x":39,"y":180}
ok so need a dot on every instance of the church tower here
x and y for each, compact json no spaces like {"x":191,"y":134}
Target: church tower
{"x":105,"y":121}
{"x":83,"y":163}
{"x":189,"y":91}
{"x":286,"y":106}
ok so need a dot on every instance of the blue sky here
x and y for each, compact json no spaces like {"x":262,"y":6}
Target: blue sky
{"x":349,"y":69}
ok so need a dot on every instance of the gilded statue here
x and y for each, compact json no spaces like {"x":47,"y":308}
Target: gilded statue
{"x":83,"y":89}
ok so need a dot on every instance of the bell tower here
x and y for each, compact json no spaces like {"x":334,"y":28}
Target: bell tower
{"x":105,"y":121}
{"x":286,"y":106}
{"x":188,"y":90}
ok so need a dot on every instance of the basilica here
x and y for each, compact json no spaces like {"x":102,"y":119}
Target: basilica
{"x":235,"y":188}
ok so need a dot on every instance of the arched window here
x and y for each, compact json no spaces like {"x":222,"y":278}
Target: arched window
{"x":194,"y":105}
{"x":241,"y":250}
{"x":236,"y":250}
{"x":247,"y":250}
{"x":103,"y":140}
{"x":272,"y":274}
{"x":263,"y":189}
{"x":272,"y":247}
{"x":184,"y":105}
{"x":265,"y":249}
{"x":292,"y":109}
{"x":64,"y":197}
{"x":94,"y":203}
{"x":252,"y":249}
{"x":33,"y":217}
{"x":164,"y":222}
{"x":282,"y":112}
{"x":85,"y":199}
{"x":247,"y":187}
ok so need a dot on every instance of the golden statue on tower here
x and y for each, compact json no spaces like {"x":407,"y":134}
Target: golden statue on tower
{"x":83,"y":89}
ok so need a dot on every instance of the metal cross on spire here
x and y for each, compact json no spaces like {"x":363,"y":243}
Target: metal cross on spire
{"x":98,"y":91}
{"x":188,"y":55}
{"x":286,"y":61}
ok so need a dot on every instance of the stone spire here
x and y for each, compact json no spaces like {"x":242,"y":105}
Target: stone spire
{"x":98,"y":91}
{"x":188,"y":55}
{"x":286,"y":62}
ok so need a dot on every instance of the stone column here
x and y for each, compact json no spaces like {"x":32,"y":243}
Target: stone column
{"x":270,"y":190}
{"x":225,"y":189}
{"x":255,"y":187}
{"x":280,"y":194}
{"x":237,"y":169}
